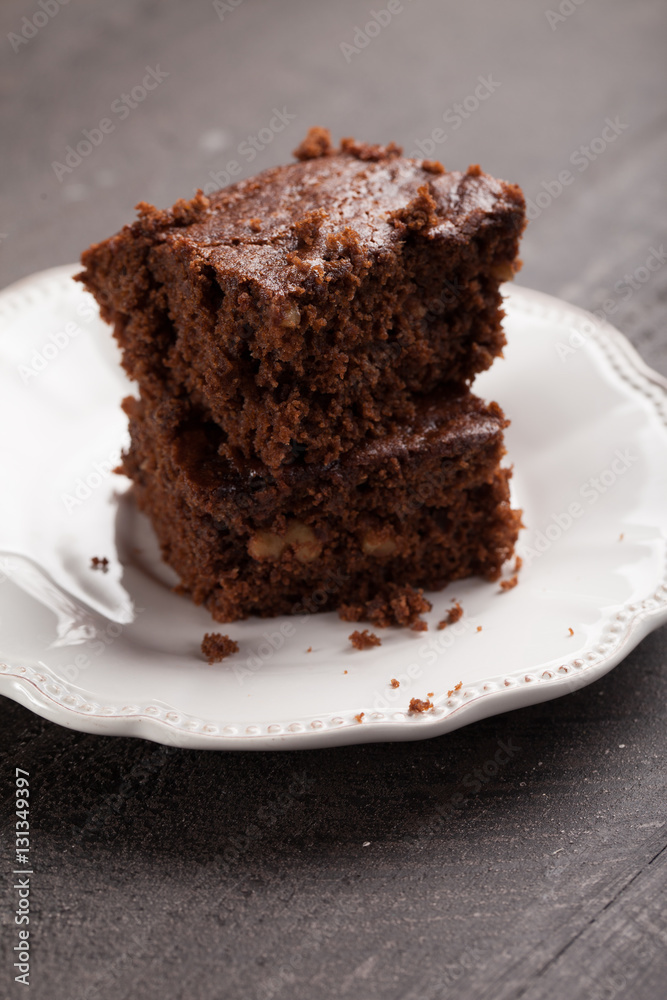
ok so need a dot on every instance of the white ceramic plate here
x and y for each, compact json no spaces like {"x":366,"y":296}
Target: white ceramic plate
{"x":118,"y":653}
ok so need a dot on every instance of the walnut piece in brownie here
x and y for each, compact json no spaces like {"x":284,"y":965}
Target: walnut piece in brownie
{"x":364,"y":640}
{"x":216,"y":647}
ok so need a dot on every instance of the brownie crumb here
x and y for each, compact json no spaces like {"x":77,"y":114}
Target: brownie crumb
{"x":457,"y":687}
{"x":255,"y":225}
{"x":217,"y":647}
{"x":509,"y":584}
{"x":101,"y":564}
{"x":371,"y":152}
{"x":518,"y":563}
{"x":429,"y":694}
{"x":394,"y":683}
{"x":570,"y":631}
{"x":400,"y":606}
{"x":417,"y":705}
{"x":620,"y":537}
{"x":453,"y":615}
{"x":310,"y":649}
{"x":433,"y":167}
{"x":360,"y":716}
{"x":317,"y":143}
{"x":420,"y":213}
{"x":479,"y":628}
{"x":364,"y":640}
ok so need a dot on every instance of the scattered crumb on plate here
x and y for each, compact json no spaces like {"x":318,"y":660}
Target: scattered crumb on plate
{"x":509,"y":584}
{"x":217,"y":647}
{"x":101,"y":564}
{"x":570,"y":631}
{"x":360,"y":716}
{"x":417,"y":705}
{"x":364,"y":640}
{"x":479,"y":628}
{"x":394,"y":683}
{"x":453,"y":615}
{"x":457,"y":687}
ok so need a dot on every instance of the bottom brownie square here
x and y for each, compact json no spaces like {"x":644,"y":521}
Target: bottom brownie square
{"x":421,"y":507}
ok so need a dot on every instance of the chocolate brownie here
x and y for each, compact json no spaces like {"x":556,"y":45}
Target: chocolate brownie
{"x":311,"y":307}
{"x":422,"y":506}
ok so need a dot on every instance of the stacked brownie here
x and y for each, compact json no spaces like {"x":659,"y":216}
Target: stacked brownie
{"x":303,"y":342}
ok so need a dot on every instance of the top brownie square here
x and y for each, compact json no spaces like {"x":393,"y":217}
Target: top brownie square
{"x":309,"y":307}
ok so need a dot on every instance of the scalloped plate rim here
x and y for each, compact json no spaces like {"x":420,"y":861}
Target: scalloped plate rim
{"x":493,"y":699}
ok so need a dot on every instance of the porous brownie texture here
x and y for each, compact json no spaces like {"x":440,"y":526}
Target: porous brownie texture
{"x":424,"y":506}
{"x":311,"y":307}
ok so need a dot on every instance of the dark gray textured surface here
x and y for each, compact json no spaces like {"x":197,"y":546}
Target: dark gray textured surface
{"x":163,"y":873}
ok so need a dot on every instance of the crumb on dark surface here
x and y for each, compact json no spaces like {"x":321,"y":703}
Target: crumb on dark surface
{"x":394,"y":683}
{"x":402,"y":606}
{"x":216,"y":647}
{"x":360,"y":716}
{"x":457,"y":687}
{"x":453,"y":615}
{"x":101,"y":564}
{"x":364,"y":640}
{"x":509,"y":584}
{"x":417,"y":705}
{"x":570,"y":631}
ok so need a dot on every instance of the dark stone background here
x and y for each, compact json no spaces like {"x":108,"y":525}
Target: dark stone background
{"x":168,"y":873}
